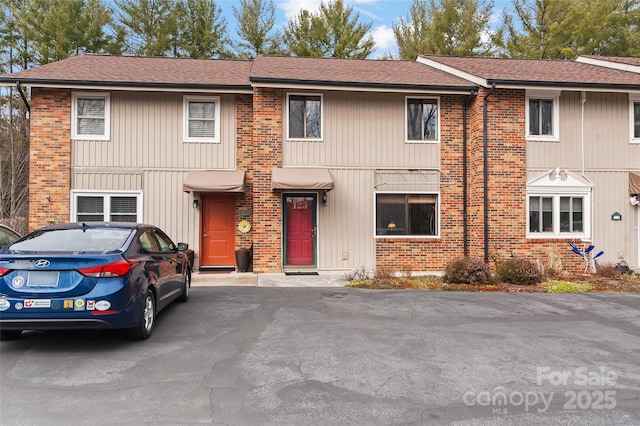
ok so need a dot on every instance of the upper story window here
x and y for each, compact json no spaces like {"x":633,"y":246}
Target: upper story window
{"x":558,"y":205}
{"x":423,"y":118}
{"x":90,"y":114}
{"x":405,"y":214}
{"x":201,"y":119}
{"x":634,"y":110}
{"x":107,"y":207}
{"x":304,"y":116}
{"x":542,"y":112}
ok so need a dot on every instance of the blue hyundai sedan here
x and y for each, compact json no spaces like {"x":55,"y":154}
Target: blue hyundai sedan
{"x":90,"y":275}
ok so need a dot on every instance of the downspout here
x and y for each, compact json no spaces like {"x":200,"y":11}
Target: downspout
{"x":22,"y":95}
{"x":465,"y":214}
{"x":583,"y":100}
{"x":485,"y":177}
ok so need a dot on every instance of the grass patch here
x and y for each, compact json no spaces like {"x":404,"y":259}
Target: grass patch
{"x":557,"y":286}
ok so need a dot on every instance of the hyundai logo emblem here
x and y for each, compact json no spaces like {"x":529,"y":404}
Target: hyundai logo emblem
{"x":42,"y":263}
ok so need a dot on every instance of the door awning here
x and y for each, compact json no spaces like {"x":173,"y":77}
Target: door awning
{"x":214,"y":181}
{"x":301,"y":178}
{"x":634,"y":183}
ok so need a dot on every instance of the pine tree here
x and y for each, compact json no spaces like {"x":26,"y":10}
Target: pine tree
{"x":334,"y":31}
{"x":150,"y":26}
{"x":256,"y":20}
{"x":444,"y":27}
{"x":202,"y":30}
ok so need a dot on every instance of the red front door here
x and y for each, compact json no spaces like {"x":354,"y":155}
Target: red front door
{"x":300,"y":229}
{"x":218,"y":231}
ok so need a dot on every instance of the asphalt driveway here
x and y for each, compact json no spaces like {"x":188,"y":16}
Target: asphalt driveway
{"x":325,"y":356}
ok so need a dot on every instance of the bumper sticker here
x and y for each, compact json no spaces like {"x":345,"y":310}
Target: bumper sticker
{"x":79,"y":305}
{"x":102,"y":305}
{"x":36,"y":303}
{"x":18,"y":281}
{"x":4,"y":305}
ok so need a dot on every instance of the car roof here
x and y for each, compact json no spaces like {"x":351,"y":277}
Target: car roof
{"x":98,"y":225}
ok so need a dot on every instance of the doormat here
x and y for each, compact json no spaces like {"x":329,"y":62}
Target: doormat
{"x":301,"y":273}
{"x":214,"y":270}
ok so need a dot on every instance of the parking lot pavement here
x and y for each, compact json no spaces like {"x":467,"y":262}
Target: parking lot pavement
{"x":249,"y":355}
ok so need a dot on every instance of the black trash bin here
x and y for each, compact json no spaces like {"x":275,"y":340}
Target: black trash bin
{"x":243,"y":259}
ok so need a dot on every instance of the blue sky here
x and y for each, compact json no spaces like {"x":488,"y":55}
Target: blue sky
{"x":381,"y":13}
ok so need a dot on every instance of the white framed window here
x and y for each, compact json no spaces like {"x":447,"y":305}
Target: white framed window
{"x":400,"y":214}
{"x":117,"y":206}
{"x":90,"y":115}
{"x":542,"y":115}
{"x":634,"y":117}
{"x":423,"y":119}
{"x":304,"y":116}
{"x":201,"y":119}
{"x":559,"y":206}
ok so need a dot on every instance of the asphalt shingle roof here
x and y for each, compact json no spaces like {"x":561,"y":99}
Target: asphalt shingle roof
{"x":617,"y":59}
{"x":130,"y":71}
{"x":139,"y":71}
{"x":353,"y":72}
{"x":536,"y":71}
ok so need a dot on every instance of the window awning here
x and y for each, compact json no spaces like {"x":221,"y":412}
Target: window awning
{"x":301,"y":178}
{"x":634,"y":183}
{"x":214,"y":181}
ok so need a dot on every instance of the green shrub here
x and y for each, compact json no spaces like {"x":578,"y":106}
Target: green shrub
{"x":518,"y":271}
{"x":465,"y":270}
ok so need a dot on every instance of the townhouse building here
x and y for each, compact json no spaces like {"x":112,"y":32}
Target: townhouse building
{"x":320,"y":164}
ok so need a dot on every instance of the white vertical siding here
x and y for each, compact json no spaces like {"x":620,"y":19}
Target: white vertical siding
{"x":611,"y":194}
{"x":168,"y":207}
{"x":107,"y":180}
{"x":345,"y":225}
{"x":606,"y":135}
{"x":362,"y":130}
{"x":147,"y":132}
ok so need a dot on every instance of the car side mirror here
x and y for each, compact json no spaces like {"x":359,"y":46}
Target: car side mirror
{"x":183,"y":246}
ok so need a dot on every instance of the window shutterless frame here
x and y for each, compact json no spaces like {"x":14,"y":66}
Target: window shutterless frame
{"x":542,"y":110}
{"x":406,"y":214}
{"x":90,"y":116}
{"x":201,"y":119}
{"x":106,"y":206}
{"x":564,"y":214}
{"x":422,"y":119}
{"x":305,"y":116}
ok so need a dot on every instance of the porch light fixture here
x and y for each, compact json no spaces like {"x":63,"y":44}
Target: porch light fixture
{"x":195,"y":203}
{"x":325,"y":198}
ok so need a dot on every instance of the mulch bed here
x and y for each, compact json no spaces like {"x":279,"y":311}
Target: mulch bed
{"x":598,"y":284}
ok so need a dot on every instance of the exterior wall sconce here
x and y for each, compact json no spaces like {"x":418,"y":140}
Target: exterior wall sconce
{"x":616,"y":216}
{"x":196,"y":202}
{"x":325,"y":198}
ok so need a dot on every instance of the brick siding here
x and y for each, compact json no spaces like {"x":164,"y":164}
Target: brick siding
{"x":267,"y":210}
{"x":50,"y":157}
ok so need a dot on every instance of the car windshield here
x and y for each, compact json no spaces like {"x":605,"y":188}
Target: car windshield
{"x":7,"y":236}
{"x":75,"y":240}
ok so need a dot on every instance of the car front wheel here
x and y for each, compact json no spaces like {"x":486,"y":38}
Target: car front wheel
{"x":185,"y":288}
{"x":147,"y":318}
